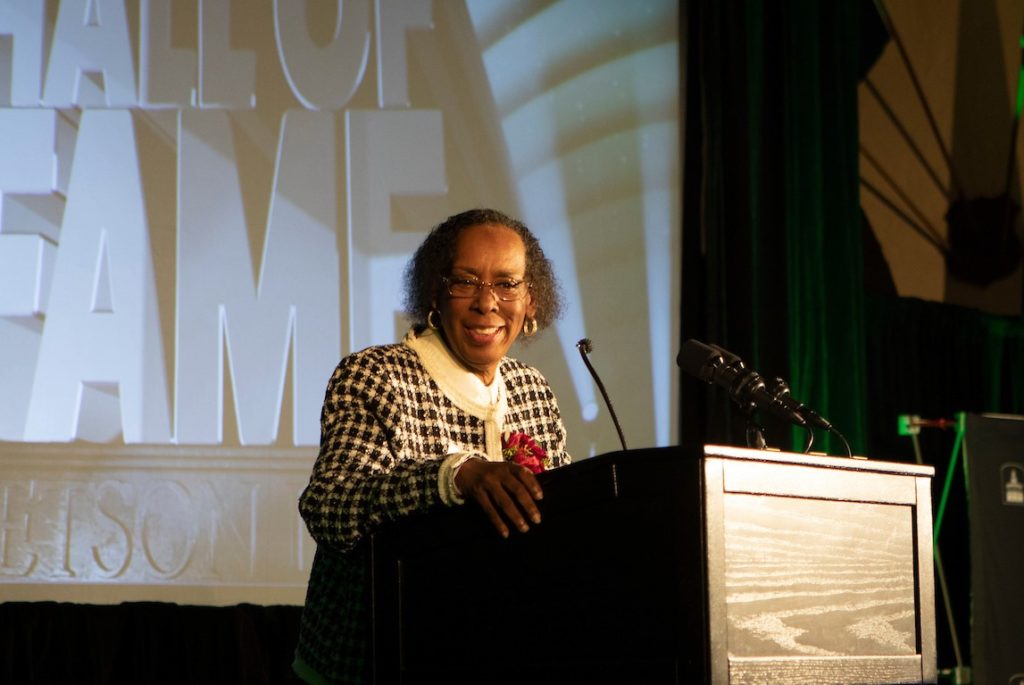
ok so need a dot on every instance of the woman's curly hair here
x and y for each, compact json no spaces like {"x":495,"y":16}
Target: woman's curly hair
{"x":434,"y":257}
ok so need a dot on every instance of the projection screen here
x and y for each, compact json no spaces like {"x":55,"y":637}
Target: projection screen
{"x":205,"y":205}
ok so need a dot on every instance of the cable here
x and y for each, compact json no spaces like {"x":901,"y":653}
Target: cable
{"x":839,"y":435}
{"x":810,"y":439}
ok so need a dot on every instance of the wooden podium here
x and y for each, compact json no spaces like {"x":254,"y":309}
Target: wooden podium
{"x":655,"y":566}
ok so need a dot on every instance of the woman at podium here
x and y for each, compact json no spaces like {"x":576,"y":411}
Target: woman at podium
{"x":440,"y":418}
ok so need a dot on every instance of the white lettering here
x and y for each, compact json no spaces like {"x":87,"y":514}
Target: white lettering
{"x":296,"y":301}
{"x":23,"y":21}
{"x":233,"y":531}
{"x":389,"y":153}
{"x":169,"y":528}
{"x":26,"y":262}
{"x":26,"y":167}
{"x":12,"y":524}
{"x":122,"y":346}
{"x":393,"y":20}
{"x":323,"y":77}
{"x":27,"y":140}
{"x":167,"y":76}
{"x":26,"y":257}
{"x":91,"y":57}
{"x":119,"y":542}
{"x":227,"y":78}
{"x":19,"y":344}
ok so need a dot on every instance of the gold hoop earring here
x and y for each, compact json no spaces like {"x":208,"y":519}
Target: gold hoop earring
{"x":430,"y":319}
{"x":530,"y":328}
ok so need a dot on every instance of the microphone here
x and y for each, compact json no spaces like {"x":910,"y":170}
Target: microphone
{"x":586,"y":347}
{"x":712,"y":364}
{"x":780,"y":391}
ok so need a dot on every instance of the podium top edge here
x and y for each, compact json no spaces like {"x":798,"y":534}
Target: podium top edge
{"x":1001,"y":417}
{"x":816,"y":460}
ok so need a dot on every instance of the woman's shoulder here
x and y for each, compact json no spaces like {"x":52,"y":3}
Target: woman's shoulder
{"x":376,"y":374}
{"x":380,"y":353}
{"x":378,"y":360}
{"x":517,"y":374}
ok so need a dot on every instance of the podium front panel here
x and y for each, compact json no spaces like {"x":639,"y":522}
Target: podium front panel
{"x":816,"y":570}
{"x":661,"y":567}
{"x":608,"y":588}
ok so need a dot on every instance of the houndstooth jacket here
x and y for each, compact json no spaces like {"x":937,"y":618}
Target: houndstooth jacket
{"x":386,"y":427}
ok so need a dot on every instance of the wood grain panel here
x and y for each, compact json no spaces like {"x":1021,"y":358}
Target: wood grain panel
{"x":808,"y":481}
{"x":831,"y":671}
{"x":818,"y":578}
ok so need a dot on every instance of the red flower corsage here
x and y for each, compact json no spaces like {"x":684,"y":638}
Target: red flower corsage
{"x":520,"y":448}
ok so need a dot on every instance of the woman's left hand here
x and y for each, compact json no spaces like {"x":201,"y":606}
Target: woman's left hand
{"x":505,"y":491}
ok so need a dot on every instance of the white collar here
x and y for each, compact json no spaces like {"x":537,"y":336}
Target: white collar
{"x":464,"y":388}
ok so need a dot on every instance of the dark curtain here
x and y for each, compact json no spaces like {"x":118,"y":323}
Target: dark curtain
{"x":146,"y":642}
{"x":777,"y":257}
{"x":935,"y":360}
{"x":773,"y":256}
{"x":772,"y":238}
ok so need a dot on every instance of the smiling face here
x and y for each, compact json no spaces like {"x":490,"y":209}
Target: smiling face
{"x":480,"y":329}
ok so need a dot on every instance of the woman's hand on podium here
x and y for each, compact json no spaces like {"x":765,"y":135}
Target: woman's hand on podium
{"x":505,"y":491}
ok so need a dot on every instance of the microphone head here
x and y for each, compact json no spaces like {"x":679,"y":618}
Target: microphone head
{"x":584,"y":345}
{"x":697,"y":359}
{"x":727,"y":356}
{"x":779,"y":389}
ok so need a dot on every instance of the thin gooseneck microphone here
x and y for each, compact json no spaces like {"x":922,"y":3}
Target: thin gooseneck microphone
{"x":586,"y":347}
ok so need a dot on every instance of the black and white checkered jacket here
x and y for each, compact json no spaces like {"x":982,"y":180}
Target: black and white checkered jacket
{"x":385,"y":429}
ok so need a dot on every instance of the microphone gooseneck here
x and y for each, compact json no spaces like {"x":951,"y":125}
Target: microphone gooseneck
{"x":780,"y":390}
{"x":586,"y":347}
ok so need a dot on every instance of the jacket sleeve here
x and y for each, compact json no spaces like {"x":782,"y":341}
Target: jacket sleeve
{"x":559,"y":457}
{"x":365,"y":474}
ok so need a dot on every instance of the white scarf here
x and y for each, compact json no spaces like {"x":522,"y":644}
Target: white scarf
{"x":463,"y":387}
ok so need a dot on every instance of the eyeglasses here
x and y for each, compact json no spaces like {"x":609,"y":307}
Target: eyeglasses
{"x":507,"y":290}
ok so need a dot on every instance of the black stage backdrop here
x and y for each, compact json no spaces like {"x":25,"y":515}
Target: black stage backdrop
{"x":146,"y":642}
{"x":994,"y":448}
{"x":780,"y":267}
{"x":774,"y":252}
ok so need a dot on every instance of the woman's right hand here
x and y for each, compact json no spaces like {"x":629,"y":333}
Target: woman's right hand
{"x":506,"y":492}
